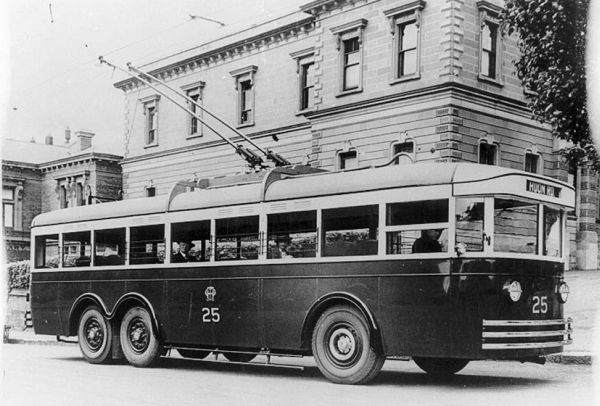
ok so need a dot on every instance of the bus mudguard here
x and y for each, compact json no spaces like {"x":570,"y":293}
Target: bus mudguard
{"x":331,"y":299}
{"x":139,"y":298}
{"x":81,"y":303}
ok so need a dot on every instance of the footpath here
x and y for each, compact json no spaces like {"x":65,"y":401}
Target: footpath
{"x":583,"y":306}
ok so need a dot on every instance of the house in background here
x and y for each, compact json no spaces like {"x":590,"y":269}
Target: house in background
{"x":38,"y":177}
{"x":347,"y":83}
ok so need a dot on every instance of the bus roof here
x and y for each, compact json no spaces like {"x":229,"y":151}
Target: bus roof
{"x":289,"y":186}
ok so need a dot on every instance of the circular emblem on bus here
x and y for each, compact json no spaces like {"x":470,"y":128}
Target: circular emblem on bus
{"x":210,"y":293}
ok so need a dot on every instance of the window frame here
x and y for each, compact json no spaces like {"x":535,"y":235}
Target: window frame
{"x":8,"y":202}
{"x":496,"y":152}
{"x":401,"y":16}
{"x":343,"y":33}
{"x":539,"y":169}
{"x":340,"y":158}
{"x":304,"y":58}
{"x":241,"y":76}
{"x":411,"y":155}
{"x":195,"y":92}
{"x":489,"y":16}
{"x":150,"y":104}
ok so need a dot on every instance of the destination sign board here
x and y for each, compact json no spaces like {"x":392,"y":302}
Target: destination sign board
{"x":542,"y":189}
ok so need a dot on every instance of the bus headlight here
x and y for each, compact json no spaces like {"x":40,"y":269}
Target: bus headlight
{"x":513,"y":290}
{"x":563,"y":292}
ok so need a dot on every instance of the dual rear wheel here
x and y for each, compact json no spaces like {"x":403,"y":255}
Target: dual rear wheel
{"x":139,"y":342}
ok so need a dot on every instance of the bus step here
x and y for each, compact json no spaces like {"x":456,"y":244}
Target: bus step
{"x":254,"y":363}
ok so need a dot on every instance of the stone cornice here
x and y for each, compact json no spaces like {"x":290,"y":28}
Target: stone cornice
{"x":225,"y":52}
{"x":213,"y":144}
{"x":515,"y":106}
{"x":317,"y":7}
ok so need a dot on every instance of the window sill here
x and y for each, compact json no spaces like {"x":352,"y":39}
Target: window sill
{"x":244,"y":125}
{"x":491,"y":81}
{"x":155,"y":144}
{"x":305,"y":111}
{"x":406,"y":78}
{"x":349,"y":91}
{"x":193,"y":136}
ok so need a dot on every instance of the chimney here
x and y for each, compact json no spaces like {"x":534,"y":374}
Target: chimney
{"x":49,"y":140}
{"x":85,"y":139}
{"x":67,"y":135}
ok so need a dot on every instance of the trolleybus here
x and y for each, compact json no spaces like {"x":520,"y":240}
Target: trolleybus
{"x":444,"y":263}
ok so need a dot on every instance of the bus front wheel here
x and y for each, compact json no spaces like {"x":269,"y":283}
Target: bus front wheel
{"x":441,"y":366}
{"x":342,"y":347}
{"x":140,"y":344}
{"x":94,"y":336}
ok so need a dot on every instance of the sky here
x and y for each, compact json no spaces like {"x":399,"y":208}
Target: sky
{"x":51,"y":77}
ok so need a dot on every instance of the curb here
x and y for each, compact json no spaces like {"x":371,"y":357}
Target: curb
{"x":576,"y":358}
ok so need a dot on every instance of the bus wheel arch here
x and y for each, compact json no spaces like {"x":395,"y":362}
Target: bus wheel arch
{"x":79,"y":306}
{"x":340,"y":299}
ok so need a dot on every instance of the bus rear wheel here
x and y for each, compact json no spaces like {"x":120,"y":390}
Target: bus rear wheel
{"x":441,"y":366}
{"x":342,"y":347}
{"x":239,"y":357}
{"x":195,"y":354}
{"x":139,"y":342}
{"x":94,"y":336}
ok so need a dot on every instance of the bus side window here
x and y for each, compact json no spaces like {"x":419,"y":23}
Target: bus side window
{"x":469,"y":223}
{"x":109,"y":247}
{"x":77,"y":249}
{"x":292,"y":235}
{"x":147,"y":245}
{"x":237,"y":238}
{"x":46,"y":251}
{"x":420,"y":229}
{"x":196,"y":234}
{"x":350,"y":231}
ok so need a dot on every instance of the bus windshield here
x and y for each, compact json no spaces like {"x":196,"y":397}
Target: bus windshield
{"x":515,"y":227}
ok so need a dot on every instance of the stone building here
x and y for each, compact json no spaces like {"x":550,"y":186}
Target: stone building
{"x":38,"y":177}
{"x":346,"y":83}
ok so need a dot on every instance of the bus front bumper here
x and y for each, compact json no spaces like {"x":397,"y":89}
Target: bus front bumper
{"x":525,"y":334}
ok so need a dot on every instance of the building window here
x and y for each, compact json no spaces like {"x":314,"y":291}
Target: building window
{"x":8,"y":207}
{"x":305,"y":68}
{"x":351,"y":65}
{"x":348,"y":159}
{"x":532,"y":162}
{"x":350,"y":47}
{"x":194,"y":92}
{"x":488,"y":153}
{"x":150,"y":191}
{"x":64,"y":197}
{"x":490,"y":42}
{"x":405,"y":151}
{"x":307,"y":84}
{"x":80,"y":198}
{"x":244,"y":84}
{"x":405,"y":23}
{"x":151,"y":126}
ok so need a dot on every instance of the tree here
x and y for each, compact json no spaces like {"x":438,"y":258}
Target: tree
{"x":552,"y":39}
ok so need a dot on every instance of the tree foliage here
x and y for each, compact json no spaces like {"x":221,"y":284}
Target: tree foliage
{"x":552,"y":40}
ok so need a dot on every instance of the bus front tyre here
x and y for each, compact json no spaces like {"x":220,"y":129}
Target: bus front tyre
{"x":140,"y":344}
{"x":94,"y":336}
{"x":342,"y":347}
{"x":441,"y":366}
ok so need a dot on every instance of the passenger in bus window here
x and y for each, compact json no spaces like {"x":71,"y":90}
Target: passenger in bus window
{"x":182,"y":254}
{"x":428,"y":242}
{"x":282,"y":248}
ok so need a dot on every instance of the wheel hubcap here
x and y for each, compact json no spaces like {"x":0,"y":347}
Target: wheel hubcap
{"x":94,"y":334}
{"x":343,"y":346}
{"x":139,"y":336}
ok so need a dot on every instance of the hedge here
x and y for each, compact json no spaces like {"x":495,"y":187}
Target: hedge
{"x":18,"y":275}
